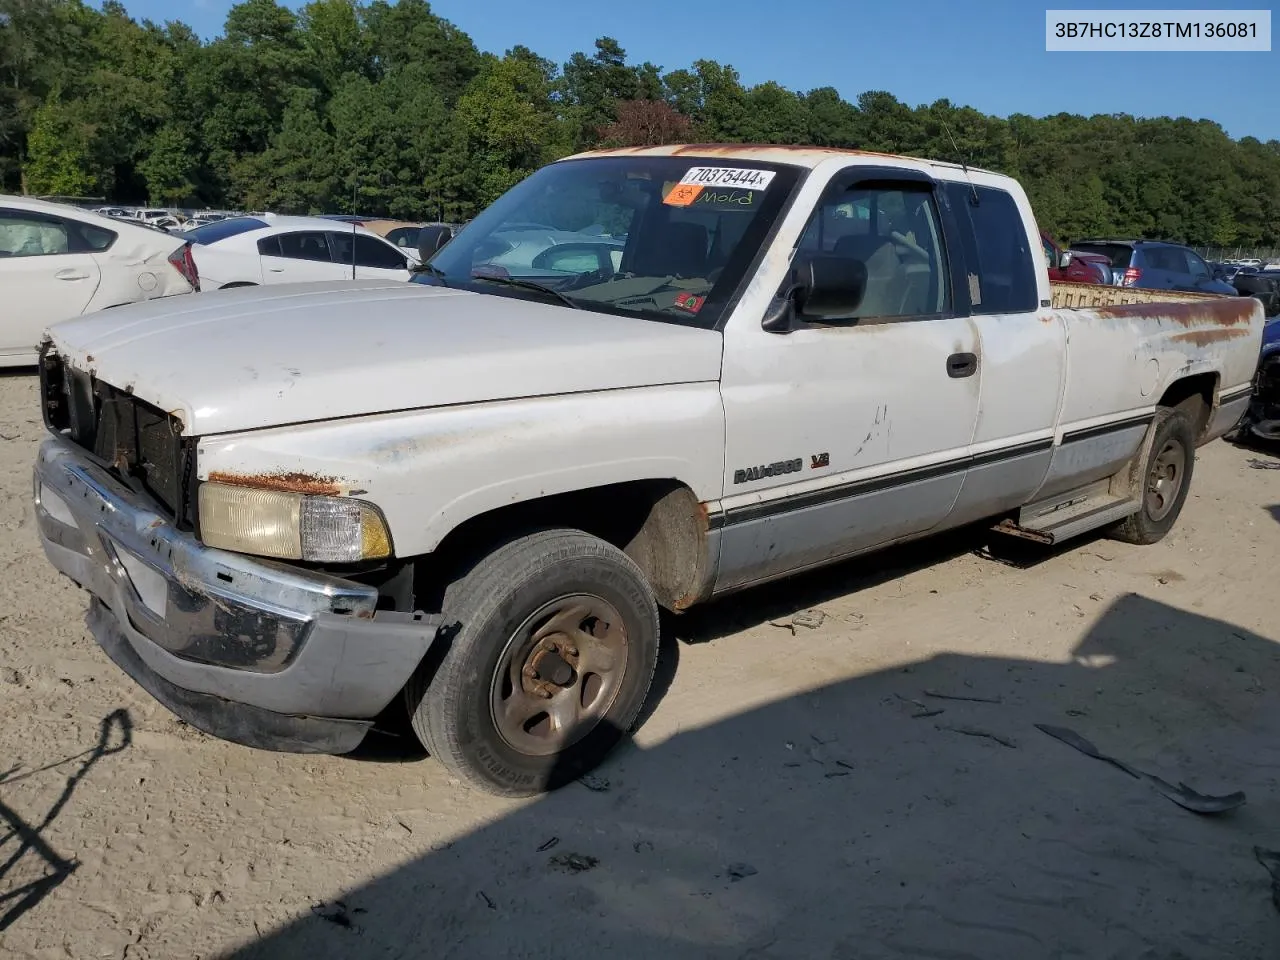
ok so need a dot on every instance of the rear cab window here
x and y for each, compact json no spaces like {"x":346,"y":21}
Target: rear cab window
{"x":998,"y":257}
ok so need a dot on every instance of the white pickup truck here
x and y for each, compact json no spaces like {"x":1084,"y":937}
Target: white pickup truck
{"x":474,"y":491}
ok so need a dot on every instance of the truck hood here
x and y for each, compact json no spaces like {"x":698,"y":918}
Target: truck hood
{"x":248,"y":358}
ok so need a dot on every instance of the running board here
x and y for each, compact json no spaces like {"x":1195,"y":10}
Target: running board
{"x":1067,"y":522}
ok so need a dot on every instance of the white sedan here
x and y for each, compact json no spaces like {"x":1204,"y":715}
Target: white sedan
{"x":269,"y":249}
{"x":58,"y":261}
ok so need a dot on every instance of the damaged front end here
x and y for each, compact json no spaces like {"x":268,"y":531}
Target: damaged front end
{"x":274,"y":655}
{"x":1262,"y":419}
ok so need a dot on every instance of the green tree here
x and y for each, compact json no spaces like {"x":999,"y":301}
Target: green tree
{"x":510,"y":125}
{"x":170,"y":165}
{"x":59,"y":158}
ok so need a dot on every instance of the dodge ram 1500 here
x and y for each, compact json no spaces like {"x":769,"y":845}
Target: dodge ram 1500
{"x":474,"y":491}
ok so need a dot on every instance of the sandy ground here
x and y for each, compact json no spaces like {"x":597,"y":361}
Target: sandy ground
{"x":788,"y":796}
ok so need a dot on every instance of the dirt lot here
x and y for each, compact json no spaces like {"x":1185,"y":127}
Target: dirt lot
{"x":797,"y":791}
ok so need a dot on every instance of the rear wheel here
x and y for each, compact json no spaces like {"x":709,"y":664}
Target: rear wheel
{"x":555,"y":645}
{"x":1166,"y":479}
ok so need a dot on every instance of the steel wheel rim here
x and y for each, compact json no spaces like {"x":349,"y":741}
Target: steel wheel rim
{"x":559,"y":674}
{"x":1165,"y":479}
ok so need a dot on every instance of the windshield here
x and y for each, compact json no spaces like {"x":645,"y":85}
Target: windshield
{"x":669,"y":238}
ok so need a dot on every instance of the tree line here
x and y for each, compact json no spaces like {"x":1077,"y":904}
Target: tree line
{"x":387,"y":109}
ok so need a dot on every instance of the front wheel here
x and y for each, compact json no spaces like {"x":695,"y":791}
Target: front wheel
{"x":554,"y":645}
{"x":1165,"y":481}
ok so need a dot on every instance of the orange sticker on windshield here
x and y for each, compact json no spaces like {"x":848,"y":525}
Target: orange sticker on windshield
{"x":682,"y":194}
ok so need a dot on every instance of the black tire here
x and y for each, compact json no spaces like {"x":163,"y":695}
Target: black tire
{"x":494,"y":610}
{"x":1173,"y":432}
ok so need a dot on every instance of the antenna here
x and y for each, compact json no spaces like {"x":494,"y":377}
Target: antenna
{"x":963,"y":166}
{"x":355,"y":198}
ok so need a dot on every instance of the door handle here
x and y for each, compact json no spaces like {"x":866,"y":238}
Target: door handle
{"x":962,"y":365}
{"x":275,"y":269}
{"x":70,"y":273}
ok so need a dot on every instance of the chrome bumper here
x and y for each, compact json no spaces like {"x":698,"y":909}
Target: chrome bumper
{"x":250,"y":631}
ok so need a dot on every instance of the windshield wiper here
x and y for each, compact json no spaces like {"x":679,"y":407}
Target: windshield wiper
{"x":435,"y":271}
{"x":531,"y":285}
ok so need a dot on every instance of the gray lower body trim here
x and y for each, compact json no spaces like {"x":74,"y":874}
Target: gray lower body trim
{"x":761,"y":548}
{"x":1230,"y":409}
{"x":1088,"y":455}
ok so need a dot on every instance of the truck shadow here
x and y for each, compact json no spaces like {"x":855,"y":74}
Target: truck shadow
{"x":31,"y":868}
{"x":876,"y":817}
{"x":784,"y":598}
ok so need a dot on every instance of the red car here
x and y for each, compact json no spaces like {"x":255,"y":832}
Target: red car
{"x":1072,"y":266}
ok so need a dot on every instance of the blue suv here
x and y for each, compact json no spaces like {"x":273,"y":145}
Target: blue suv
{"x":1156,"y":265}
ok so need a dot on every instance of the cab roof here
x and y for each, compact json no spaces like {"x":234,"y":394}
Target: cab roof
{"x":801,"y":156}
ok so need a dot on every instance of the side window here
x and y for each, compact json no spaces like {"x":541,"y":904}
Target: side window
{"x":1197,"y":267}
{"x":375,"y":253}
{"x":892,"y":232}
{"x":96,"y":239}
{"x":304,"y":246}
{"x":25,"y":234}
{"x":1001,"y":267}
{"x":406,"y":237}
{"x":269,"y":246}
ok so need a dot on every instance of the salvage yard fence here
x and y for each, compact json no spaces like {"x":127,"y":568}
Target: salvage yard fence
{"x":1269,"y":254}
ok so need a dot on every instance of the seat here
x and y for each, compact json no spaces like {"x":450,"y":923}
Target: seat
{"x":679,"y":250}
{"x":886,"y":278}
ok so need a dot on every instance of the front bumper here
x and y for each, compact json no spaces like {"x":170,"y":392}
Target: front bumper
{"x":250,"y":650}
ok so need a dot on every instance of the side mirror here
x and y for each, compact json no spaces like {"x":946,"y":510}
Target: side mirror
{"x":821,"y":288}
{"x":830,"y":288}
{"x":431,"y":239}
{"x":1064,"y":261}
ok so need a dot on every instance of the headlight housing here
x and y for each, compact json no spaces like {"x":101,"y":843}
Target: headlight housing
{"x":291,"y":526}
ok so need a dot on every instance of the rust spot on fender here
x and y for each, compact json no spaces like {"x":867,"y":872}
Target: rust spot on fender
{"x":1213,"y":311}
{"x":285,"y":482}
{"x":701,"y":588}
{"x":1203,"y":338}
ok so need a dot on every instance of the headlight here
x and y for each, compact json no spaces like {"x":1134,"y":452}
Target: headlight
{"x":291,"y":526}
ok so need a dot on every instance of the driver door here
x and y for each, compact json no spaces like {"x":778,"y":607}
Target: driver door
{"x":845,"y":435}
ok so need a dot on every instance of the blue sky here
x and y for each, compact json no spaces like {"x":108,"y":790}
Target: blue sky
{"x":987,"y":55}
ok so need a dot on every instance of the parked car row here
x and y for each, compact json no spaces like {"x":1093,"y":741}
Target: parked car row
{"x":248,"y":251}
{"x":59,"y":261}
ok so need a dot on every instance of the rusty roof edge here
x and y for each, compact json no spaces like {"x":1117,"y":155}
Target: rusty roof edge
{"x":745,"y":151}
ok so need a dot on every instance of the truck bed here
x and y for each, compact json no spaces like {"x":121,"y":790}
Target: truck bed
{"x":1083,"y":295}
